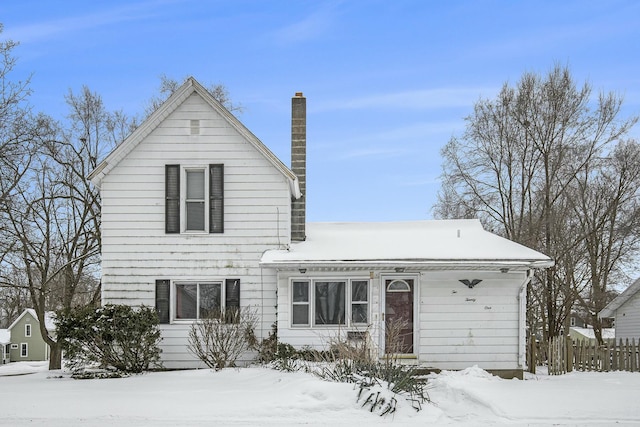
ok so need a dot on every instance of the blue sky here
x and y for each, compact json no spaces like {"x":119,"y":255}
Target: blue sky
{"x":387,"y":82}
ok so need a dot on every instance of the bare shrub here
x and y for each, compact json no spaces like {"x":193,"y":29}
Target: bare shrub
{"x":219,"y":340}
{"x":379,"y":383}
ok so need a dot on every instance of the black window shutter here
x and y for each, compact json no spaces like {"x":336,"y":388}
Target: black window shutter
{"x":172,"y":198}
{"x":232,"y":300}
{"x":216,"y":198}
{"x":162,"y":300}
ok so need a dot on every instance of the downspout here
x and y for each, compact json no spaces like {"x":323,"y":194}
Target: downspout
{"x":522,"y":320}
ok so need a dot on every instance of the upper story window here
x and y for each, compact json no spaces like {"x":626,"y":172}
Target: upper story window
{"x":27,"y":330}
{"x":194,"y":199}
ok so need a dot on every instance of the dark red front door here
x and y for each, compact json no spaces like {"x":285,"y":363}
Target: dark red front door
{"x":399,"y":316}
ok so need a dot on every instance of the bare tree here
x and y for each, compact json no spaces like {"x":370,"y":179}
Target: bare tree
{"x":21,"y":133}
{"x":607,"y":211}
{"x":169,"y":85}
{"x":53,"y":213}
{"x":13,"y":299}
{"x":16,"y":133}
{"x":518,"y":162}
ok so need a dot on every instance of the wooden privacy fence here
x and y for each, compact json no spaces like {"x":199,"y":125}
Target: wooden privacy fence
{"x":562,"y":354}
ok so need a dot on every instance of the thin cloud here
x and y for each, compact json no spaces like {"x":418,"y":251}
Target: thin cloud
{"x":424,"y":131}
{"x":414,"y":99}
{"x":75,"y":24}
{"x":602,"y":22}
{"x":373,"y":152}
{"x":312,"y":27}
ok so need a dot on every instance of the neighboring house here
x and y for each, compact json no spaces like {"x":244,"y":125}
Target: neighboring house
{"x":198,"y":214}
{"x":576,"y":320}
{"x":577,"y":333}
{"x":625,"y":310}
{"x":5,"y":346}
{"x":27,"y":343}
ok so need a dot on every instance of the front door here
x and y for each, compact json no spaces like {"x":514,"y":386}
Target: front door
{"x":398,"y":315}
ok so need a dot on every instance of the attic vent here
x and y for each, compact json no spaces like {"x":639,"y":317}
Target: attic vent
{"x":195,"y":127}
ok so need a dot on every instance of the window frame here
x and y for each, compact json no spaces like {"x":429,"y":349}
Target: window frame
{"x":178,"y":204}
{"x":306,"y":303}
{"x":312,"y":304}
{"x":174,"y":298}
{"x":185,"y":200}
{"x":230,"y":298}
{"x":27,"y":330}
{"x":24,"y":349}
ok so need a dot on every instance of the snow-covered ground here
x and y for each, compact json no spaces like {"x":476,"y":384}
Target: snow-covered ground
{"x":31,"y":395}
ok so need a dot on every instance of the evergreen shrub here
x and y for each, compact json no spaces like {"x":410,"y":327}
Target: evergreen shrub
{"x":116,"y":337}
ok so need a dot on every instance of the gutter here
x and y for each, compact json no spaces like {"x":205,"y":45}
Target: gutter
{"x":410,"y":265}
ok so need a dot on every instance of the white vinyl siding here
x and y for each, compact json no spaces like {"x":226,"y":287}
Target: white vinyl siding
{"x":136,"y":251}
{"x":462,"y":327}
{"x":627,"y":320}
{"x":456,"y":327}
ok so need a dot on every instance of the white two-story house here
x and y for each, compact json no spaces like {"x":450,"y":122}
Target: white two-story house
{"x":198,"y":214}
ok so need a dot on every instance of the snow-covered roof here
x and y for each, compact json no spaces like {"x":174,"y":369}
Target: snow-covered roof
{"x":49,"y":318}
{"x":423,"y":244}
{"x":183,"y":92}
{"x":5,"y":336}
{"x":610,"y":309}
{"x":607,"y":333}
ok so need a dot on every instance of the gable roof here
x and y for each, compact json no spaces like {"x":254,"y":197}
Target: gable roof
{"x":616,"y":303}
{"x":588,"y":333}
{"x":189,"y":87}
{"x":421,"y":244}
{"x":49,"y":317}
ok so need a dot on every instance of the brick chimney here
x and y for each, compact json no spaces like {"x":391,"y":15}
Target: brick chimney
{"x":299,"y":164}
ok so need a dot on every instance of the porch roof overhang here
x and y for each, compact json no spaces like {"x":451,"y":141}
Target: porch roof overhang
{"x":407,"y":265}
{"x":412,"y":246}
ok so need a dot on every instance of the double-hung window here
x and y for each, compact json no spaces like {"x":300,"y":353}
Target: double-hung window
{"x":359,"y":301}
{"x":24,"y":349}
{"x":300,"y":308}
{"x":194,"y":199}
{"x":329,"y":302}
{"x":27,"y":330}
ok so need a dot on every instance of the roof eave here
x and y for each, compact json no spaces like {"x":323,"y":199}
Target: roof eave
{"x":611,"y":308}
{"x":409,"y":265}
